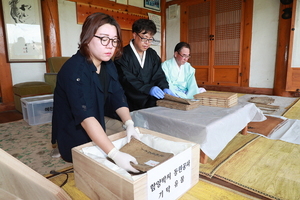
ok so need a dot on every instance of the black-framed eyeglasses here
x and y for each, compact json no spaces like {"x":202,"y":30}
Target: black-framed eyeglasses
{"x":150,"y":41}
{"x":184,"y":56}
{"x":105,"y":41}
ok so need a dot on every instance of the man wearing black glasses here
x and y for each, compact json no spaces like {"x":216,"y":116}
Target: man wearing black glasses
{"x":139,"y":68}
{"x":180,"y":74}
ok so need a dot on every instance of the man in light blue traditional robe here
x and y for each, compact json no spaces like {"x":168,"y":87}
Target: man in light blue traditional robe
{"x":180,"y":74}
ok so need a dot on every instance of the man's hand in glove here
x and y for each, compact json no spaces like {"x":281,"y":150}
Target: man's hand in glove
{"x":123,"y":160}
{"x":157,"y":92}
{"x":168,"y":91}
{"x":131,"y":132}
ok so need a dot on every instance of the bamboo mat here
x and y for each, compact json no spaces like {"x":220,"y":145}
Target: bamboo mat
{"x":294,"y":111}
{"x":234,"y":146}
{"x":205,"y":190}
{"x":267,"y":167}
{"x":202,"y":190}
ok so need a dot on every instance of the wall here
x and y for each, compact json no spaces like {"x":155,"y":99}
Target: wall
{"x":24,"y":72}
{"x":172,"y":33}
{"x":69,"y":29}
{"x":296,"y":48}
{"x":69,"y":33}
{"x":264,"y":41}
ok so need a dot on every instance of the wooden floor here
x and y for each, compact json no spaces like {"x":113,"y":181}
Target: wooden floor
{"x":10,"y":116}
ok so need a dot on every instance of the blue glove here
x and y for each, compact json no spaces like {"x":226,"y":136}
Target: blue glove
{"x":168,"y":91}
{"x":157,"y":92}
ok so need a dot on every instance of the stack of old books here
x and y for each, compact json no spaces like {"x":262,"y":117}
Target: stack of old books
{"x":218,"y":99}
{"x":170,"y":101}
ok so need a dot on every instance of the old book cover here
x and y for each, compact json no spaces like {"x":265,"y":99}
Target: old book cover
{"x":178,"y":99}
{"x":146,"y":156}
{"x":170,"y":101}
{"x":177,"y":105}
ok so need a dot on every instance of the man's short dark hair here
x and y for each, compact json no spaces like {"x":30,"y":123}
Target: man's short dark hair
{"x":180,"y":45}
{"x":144,"y":26}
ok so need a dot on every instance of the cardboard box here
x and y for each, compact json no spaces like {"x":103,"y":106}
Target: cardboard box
{"x":18,"y":181}
{"x":169,"y":180}
{"x":37,"y":109}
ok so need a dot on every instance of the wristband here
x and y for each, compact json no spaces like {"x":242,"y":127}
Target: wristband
{"x":113,"y":153}
{"x":128,"y":122}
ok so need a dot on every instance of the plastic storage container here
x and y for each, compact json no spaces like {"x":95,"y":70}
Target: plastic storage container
{"x":37,"y":109}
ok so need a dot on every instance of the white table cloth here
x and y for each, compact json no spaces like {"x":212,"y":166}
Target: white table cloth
{"x":211,"y":127}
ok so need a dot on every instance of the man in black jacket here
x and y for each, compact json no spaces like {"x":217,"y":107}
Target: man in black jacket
{"x":139,"y":68}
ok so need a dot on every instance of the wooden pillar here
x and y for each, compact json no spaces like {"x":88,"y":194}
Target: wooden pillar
{"x":51,"y":28}
{"x":5,"y":72}
{"x":246,"y":42}
{"x":163,"y":30}
{"x":281,"y":64}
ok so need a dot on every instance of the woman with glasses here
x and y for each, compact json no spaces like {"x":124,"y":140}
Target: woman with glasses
{"x":87,"y":86}
{"x":139,"y":68}
{"x":180,"y":74}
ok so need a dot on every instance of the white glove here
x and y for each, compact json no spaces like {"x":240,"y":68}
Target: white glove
{"x":131,"y":132}
{"x":123,"y":160}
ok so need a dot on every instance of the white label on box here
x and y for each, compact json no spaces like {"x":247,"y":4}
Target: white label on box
{"x":172,"y":178}
{"x":151,"y":163}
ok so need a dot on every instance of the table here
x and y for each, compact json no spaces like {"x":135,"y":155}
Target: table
{"x":211,"y":127}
